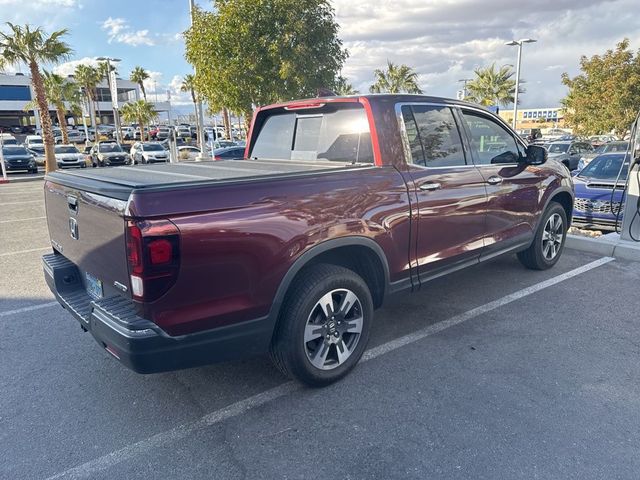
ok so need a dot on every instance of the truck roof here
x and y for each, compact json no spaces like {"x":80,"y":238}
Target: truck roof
{"x":372,"y":98}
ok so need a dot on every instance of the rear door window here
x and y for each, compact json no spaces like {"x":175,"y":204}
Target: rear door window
{"x":433,"y":136}
{"x":331,"y":134}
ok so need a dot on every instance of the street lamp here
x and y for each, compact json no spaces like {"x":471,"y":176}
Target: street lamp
{"x":199,"y":113}
{"x":518,"y":43}
{"x":464,"y":86}
{"x":113,"y":88}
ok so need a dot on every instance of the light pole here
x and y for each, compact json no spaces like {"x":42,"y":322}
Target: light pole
{"x":113,"y":88}
{"x":199,"y":114}
{"x":464,"y":86}
{"x":519,"y":44}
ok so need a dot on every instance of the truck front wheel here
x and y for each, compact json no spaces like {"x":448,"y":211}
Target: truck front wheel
{"x":324,"y":325}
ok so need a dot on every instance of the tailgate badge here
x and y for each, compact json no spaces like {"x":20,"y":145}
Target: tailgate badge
{"x":73,"y":227}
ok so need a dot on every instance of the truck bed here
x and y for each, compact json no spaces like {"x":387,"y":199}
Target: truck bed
{"x":121,"y":181}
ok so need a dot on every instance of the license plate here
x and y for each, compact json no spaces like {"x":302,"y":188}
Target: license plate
{"x":94,"y":286}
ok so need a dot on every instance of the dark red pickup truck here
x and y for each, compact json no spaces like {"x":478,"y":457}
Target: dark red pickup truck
{"x":339,"y":202}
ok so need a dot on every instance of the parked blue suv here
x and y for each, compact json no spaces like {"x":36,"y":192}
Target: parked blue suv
{"x":595,"y":206}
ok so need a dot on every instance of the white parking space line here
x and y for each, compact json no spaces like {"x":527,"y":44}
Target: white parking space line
{"x":6,"y":254}
{"x":28,"y":309}
{"x":92,"y":467}
{"x":22,"y":219}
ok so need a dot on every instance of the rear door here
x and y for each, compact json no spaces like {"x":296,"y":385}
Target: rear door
{"x":512,"y":186}
{"x":450,"y":195}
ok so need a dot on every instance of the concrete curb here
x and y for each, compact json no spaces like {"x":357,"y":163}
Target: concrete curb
{"x":608,"y":245}
{"x":11,"y":181}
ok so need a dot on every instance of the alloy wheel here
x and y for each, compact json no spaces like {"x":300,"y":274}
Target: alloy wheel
{"x":552,"y":237}
{"x":333,"y":329}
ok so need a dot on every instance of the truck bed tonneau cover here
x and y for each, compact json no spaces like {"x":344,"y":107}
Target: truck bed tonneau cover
{"x":119,"y":182}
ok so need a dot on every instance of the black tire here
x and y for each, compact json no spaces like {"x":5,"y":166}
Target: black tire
{"x":534,"y":257}
{"x":288,"y":348}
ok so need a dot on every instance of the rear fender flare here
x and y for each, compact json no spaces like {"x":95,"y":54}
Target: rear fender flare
{"x":313,"y":252}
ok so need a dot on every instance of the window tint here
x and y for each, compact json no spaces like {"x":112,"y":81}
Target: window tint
{"x":491,"y":142}
{"x":340,"y":135}
{"x":433,"y":136}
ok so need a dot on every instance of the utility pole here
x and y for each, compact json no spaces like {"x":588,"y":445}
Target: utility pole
{"x":519,"y":44}
{"x":199,"y":114}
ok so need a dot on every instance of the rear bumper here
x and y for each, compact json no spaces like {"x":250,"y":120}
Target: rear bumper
{"x":139,"y":343}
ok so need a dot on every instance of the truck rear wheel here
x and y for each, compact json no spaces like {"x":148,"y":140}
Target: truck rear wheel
{"x":548,"y":242}
{"x":324,"y":325}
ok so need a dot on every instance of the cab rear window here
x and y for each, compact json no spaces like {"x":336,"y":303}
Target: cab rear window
{"x":339,"y":134}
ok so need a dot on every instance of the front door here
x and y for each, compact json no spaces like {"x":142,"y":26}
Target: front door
{"x":513,"y":187}
{"x":449,"y":191}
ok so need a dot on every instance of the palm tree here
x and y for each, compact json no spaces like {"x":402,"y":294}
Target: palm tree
{"x":23,"y":44}
{"x":493,"y":86}
{"x":88,"y":78}
{"x":140,"y":111}
{"x":188,"y":85}
{"x":343,"y":87}
{"x":139,"y":75}
{"x":59,"y":91}
{"x":396,"y":79}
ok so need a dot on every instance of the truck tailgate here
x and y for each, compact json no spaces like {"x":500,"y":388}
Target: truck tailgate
{"x":89,"y":230}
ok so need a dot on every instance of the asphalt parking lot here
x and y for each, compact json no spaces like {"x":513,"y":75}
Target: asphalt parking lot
{"x":493,"y":372}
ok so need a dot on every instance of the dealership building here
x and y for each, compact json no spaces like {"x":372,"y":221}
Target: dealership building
{"x":544,"y":117}
{"x":16,"y":92}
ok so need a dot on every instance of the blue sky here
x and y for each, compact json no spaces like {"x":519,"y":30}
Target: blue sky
{"x":145,"y":33}
{"x":443,"y":40}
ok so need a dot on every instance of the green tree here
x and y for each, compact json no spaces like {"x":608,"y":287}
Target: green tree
{"x":493,"y":86}
{"x":140,"y":112}
{"x":139,"y":75}
{"x":87,"y":77}
{"x":24,"y":44}
{"x":395,"y":79}
{"x":605,"y":97}
{"x":249,"y":52}
{"x":343,"y":87}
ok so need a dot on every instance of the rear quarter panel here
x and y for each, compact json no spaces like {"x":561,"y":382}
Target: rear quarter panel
{"x":238,"y":240}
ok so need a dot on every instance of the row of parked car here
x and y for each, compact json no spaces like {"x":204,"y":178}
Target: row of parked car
{"x":27,"y":156}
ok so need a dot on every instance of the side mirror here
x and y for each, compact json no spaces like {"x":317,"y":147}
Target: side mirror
{"x":536,"y":155}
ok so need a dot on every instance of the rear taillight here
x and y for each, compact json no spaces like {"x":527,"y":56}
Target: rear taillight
{"x":153,"y":254}
{"x":217,"y":157}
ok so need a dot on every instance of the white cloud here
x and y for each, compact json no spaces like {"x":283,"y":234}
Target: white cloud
{"x":445,"y":41}
{"x":67,"y":68}
{"x":118,"y":30}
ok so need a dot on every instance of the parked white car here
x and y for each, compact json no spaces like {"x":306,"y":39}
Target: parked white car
{"x":148,"y":152}
{"x":75,"y":136}
{"x":68,"y":156}
{"x":187,"y":152}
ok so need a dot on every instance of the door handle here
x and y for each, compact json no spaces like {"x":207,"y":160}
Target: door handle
{"x":494,"y":180}
{"x":430,"y":186}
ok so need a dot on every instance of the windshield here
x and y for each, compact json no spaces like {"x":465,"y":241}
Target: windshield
{"x":65,"y":149}
{"x":152,"y":147}
{"x":558,"y":147}
{"x":14,"y":151}
{"x":109,"y":147}
{"x":605,"y":167}
{"x":35,"y":141}
{"x":614,"y":147}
